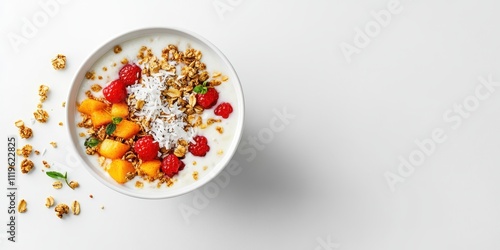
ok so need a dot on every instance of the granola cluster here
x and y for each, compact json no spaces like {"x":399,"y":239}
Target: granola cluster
{"x":59,"y":62}
{"x":24,"y":132}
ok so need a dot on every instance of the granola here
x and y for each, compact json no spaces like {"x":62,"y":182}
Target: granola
{"x":45,"y":164}
{"x":59,"y":62}
{"x":41,"y":115}
{"x":49,"y":202}
{"x":25,"y":150}
{"x":117,"y":49}
{"x":22,"y":206}
{"x":43,"y":91}
{"x":26,"y":166}
{"x":24,"y":131}
{"x":61,"y":209}
{"x":57,"y":185}
{"x":73,"y":184}
{"x":75,"y":207}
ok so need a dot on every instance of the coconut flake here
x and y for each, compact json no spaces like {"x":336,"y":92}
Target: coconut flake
{"x":167,"y":124}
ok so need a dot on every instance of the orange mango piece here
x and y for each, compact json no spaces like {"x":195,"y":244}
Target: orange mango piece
{"x":112,"y":149}
{"x":100,"y":117}
{"x":151,"y":168}
{"x":89,"y":106}
{"x":119,"y":169}
{"x":119,"y":110}
{"x":126,"y":129}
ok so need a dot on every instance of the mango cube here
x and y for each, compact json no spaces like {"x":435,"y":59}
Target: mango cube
{"x":89,"y":106}
{"x":112,"y":149}
{"x":119,"y":169}
{"x":100,"y":117}
{"x":151,"y":168}
{"x":119,"y":110}
{"x":126,"y":129}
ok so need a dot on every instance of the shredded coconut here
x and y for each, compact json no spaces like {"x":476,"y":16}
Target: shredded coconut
{"x":166,"y":123}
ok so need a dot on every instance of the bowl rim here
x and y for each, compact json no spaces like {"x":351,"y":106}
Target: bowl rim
{"x":126,"y":36}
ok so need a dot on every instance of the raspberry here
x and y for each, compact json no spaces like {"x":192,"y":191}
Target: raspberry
{"x":171,"y":165}
{"x":208,"y":99}
{"x":200,"y":147}
{"x":224,"y":109}
{"x":115,"y":92}
{"x":130,"y":74}
{"x":146,"y":148}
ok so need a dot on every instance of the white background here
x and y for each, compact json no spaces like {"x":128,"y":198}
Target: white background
{"x":320,"y":179}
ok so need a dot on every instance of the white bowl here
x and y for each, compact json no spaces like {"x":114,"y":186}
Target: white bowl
{"x":73,"y":116}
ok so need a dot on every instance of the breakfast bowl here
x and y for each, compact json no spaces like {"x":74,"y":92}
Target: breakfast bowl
{"x":155,"y":113}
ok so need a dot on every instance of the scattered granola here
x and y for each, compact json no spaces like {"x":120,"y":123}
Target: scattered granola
{"x":45,"y":164}
{"x":61,"y":123}
{"x":61,"y":209}
{"x":205,"y":168}
{"x":26,"y":166}
{"x":75,"y":207}
{"x":59,"y":62}
{"x":170,"y":182}
{"x":117,"y":49}
{"x":96,"y":87}
{"x":139,"y":184}
{"x":54,"y":144}
{"x":211,"y":121}
{"x":41,"y":115}
{"x":37,"y":152}
{"x":25,"y":150}
{"x":219,"y":129}
{"x":195,"y":175}
{"x":91,"y":196}
{"x":57,"y":185}
{"x":90,"y":75}
{"x":180,"y":151}
{"x":22,"y":206}
{"x":49,"y":201}
{"x":63,"y":104}
{"x":24,"y":131}
{"x":73,"y":184}
{"x":43,"y":91}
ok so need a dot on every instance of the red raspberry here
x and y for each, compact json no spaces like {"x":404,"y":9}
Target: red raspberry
{"x":171,"y":165}
{"x":200,"y":147}
{"x":224,"y":109}
{"x":146,"y":148}
{"x":115,"y":92}
{"x":130,"y":74}
{"x":208,"y":99}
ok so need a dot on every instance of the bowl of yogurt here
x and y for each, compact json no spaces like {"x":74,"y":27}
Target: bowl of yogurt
{"x":155,"y":112}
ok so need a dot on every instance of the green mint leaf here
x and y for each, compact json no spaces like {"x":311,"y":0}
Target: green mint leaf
{"x":110,"y":128}
{"x":116,"y":120}
{"x":91,"y":142}
{"x":200,"y":89}
{"x":55,"y":175}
